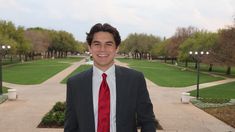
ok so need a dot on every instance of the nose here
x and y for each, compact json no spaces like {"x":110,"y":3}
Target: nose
{"x":102,"y":47}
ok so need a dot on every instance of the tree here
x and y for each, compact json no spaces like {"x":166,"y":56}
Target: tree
{"x":159,"y":50}
{"x":224,"y":51}
{"x":23,"y":46}
{"x":199,"y":41}
{"x":7,"y":31}
{"x":80,"y":47}
{"x":15,"y":37}
{"x":39,"y":40}
{"x":139,"y":45}
{"x":62,"y":43}
{"x":181,"y":34}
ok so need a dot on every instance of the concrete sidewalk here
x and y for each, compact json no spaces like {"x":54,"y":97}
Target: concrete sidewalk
{"x":35,"y":101}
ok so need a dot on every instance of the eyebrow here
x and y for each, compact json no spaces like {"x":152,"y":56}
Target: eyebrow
{"x":95,"y":41}
{"x":109,"y":42}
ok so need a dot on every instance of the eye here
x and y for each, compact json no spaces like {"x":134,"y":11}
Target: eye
{"x":96,"y":44}
{"x":109,"y":43}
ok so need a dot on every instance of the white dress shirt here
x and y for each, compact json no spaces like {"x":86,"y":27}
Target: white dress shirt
{"x":111,"y":80}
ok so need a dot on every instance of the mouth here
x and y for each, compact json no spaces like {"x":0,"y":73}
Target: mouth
{"x":102,"y":55}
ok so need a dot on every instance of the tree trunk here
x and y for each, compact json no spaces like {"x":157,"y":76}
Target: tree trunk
{"x":136,"y":55}
{"x":150,"y":56}
{"x":26,"y":57}
{"x":52,"y":54}
{"x":60,"y":54}
{"x":48,"y":54}
{"x":186,"y":63}
{"x":228,"y":72}
{"x":210,"y":68}
{"x":66,"y":54}
{"x":20,"y":57}
{"x":55,"y":54}
{"x":33,"y":53}
{"x":141,"y":56}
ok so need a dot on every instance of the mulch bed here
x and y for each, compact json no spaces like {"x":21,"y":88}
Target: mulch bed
{"x":225,"y":114}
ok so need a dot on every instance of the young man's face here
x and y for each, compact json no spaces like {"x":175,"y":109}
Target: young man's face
{"x":103,"y":50}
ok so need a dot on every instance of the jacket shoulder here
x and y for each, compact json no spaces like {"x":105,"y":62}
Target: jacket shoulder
{"x":81,"y":75}
{"x":128,"y":71}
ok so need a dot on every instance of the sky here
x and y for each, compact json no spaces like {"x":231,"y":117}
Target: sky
{"x":157,"y":17}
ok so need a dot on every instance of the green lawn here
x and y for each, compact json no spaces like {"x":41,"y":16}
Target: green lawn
{"x":35,"y":72}
{"x":168,"y":76}
{"x":4,"y":89}
{"x":7,"y":61}
{"x":219,"y":91}
{"x":79,"y":69}
{"x":221,"y":70}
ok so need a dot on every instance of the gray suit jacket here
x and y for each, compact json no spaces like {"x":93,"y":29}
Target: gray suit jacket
{"x":133,"y":104}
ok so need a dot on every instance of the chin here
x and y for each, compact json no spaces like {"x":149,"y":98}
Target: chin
{"x":104,"y":64}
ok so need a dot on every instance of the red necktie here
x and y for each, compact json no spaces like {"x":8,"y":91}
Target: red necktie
{"x":104,"y":106}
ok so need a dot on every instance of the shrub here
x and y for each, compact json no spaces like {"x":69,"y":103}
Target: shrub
{"x":59,"y":106}
{"x":214,"y":100}
{"x":55,"y":117}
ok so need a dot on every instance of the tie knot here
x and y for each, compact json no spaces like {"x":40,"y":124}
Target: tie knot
{"x":104,"y":75}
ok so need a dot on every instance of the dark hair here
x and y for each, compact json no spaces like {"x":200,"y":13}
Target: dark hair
{"x":103,"y":28}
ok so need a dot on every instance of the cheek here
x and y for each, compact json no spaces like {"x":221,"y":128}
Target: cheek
{"x":92,"y":51}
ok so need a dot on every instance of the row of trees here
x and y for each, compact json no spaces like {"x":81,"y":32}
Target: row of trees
{"x":221,"y":46}
{"x":139,"y":45}
{"x":31,"y":42}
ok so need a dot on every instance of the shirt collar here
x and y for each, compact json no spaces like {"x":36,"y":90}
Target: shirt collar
{"x":98,"y":72}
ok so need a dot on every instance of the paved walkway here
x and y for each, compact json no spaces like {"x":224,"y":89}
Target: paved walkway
{"x":34,"y":101}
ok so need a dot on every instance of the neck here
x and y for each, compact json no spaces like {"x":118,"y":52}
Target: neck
{"x":104,"y":68}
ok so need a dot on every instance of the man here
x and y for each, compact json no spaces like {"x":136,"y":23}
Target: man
{"x":107,"y":98}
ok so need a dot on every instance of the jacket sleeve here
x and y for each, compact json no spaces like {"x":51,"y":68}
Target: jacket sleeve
{"x":70,"y":124}
{"x":145,"y":115}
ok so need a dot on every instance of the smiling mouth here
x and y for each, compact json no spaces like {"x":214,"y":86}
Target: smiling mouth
{"x":102,"y":55}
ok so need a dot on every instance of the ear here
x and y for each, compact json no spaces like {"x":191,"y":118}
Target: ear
{"x":117,"y":49}
{"x":89,"y":48}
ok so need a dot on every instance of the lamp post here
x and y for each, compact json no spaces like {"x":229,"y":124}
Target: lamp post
{"x":2,"y":48}
{"x":196,"y":55}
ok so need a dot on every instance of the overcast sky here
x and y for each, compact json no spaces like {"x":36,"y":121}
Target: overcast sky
{"x":157,"y":17}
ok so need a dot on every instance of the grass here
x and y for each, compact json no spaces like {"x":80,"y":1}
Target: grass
{"x":166,"y":75}
{"x":35,"y":72}
{"x":7,"y":61}
{"x":79,"y":69}
{"x":220,"y":91}
{"x":4,"y":89}
{"x":220,"y":70}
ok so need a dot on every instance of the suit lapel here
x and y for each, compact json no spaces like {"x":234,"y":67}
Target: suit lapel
{"x":90,"y":112}
{"x":120,"y":89}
